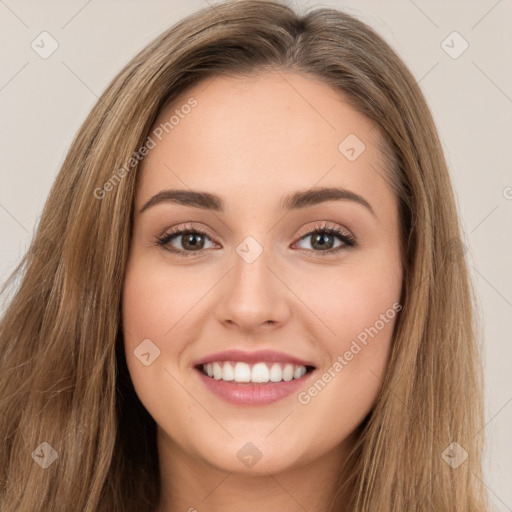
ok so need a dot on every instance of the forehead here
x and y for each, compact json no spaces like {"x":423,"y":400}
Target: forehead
{"x":269,"y":132}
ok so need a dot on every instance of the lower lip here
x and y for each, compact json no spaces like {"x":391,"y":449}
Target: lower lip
{"x":239,"y":393}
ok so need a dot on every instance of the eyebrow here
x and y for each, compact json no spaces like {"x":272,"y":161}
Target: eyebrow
{"x":297,"y":200}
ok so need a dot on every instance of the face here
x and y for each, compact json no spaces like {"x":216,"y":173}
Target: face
{"x":248,"y":273}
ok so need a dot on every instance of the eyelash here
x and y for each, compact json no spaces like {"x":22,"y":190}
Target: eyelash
{"x":348,"y":240}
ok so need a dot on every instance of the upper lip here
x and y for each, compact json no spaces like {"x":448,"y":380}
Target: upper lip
{"x":252,"y":357}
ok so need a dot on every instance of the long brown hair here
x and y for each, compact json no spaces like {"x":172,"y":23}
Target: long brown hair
{"x":64,"y":379}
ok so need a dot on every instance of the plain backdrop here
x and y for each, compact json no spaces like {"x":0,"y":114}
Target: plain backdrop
{"x":43,"y":102}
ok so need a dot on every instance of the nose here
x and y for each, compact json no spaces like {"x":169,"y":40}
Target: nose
{"x":253,"y":296}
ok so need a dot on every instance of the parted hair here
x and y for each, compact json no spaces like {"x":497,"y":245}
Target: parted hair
{"x":63,"y":373}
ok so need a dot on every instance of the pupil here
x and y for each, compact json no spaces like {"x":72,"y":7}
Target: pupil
{"x":186,"y":241}
{"x":322,"y":240}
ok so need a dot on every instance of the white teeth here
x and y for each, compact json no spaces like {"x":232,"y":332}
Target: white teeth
{"x":276,"y":374}
{"x":227,"y":372}
{"x":242,"y":372}
{"x":259,"y":373}
{"x":288,"y":372}
{"x":217,"y":371}
{"x":299,"y":372}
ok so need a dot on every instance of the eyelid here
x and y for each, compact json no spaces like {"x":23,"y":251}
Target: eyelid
{"x":163,"y":240}
{"x":189,"y":226}
{"x":348,"y":240}
{"x":319,"y":225}
{"x":343,"y":234}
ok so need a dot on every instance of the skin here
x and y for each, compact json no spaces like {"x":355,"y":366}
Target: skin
{"x":252,"y":141}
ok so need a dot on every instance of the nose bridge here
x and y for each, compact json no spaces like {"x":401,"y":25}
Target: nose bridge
{"x":252,"y":294}
{"x":251,"y":261}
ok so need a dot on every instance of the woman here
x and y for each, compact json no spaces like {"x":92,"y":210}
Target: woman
{"x":314,"y":351}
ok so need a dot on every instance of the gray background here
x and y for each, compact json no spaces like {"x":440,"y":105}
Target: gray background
{"x":44,"y":101}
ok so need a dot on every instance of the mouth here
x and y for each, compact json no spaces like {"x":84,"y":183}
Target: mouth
{"x":253,"y":384}
{"x":261,"y":372}
{"x":257,"y":378}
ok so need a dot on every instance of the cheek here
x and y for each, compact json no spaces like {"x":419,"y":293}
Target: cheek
{"x":146,"y":315}
{"x":155,"y":300}
{"x":149,"y":311}
{"x":358,"y":305}
{"x":356,"y":301}
{"x":366,"y":310}
{"x":143,"y":310}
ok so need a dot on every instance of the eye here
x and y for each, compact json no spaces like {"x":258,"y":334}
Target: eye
{"x":190,"y":239}
{"x":323,"y":239}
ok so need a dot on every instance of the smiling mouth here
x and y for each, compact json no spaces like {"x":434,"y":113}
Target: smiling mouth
{"x":257,"y":373}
